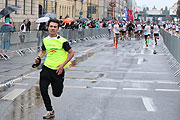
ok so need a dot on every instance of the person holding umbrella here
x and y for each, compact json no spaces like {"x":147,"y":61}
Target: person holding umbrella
{"x":6,"y":30}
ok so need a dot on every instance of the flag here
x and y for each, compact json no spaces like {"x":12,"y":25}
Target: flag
{"x":126,"y":13}
{"x":130,"y":15}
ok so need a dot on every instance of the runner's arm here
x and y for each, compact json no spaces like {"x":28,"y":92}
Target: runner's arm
{"x":70,"y":56}
{"x":61,"y":66}
{"x":41,"y":54}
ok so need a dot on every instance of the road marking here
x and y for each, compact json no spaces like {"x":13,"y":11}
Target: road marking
{"x":126,"y":80}
{"x":141,"y":72}
{"x":167,"y":90}
{"x":75,"y":86}
{"x":143,"y":89}
{"x":20,"y":83}
{"x":142,"y":51}
{"x":140,"y":60}
{"x":139,"y":81}
{"x":164,"y":82}
{"x":31,"y":77}
{"x":13,"y":94}
{"x":104,"y":88}
{"x":120,"y":81}
{"x":149,"y":104}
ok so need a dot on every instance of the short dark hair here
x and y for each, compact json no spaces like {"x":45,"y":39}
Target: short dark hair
{"x":55,"y":21}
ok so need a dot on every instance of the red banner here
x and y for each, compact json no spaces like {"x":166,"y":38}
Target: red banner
{"x":130,"y":15}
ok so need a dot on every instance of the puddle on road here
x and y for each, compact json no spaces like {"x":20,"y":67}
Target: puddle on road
{"x":22,"y":105}
{"x":82,"y":58}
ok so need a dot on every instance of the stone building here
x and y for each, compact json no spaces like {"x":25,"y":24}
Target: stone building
{"x":71,"y":8}
{"x":29,"y":9}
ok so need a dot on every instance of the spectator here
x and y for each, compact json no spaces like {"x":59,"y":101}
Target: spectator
{"x":80,"y":31}
{"x":28,"y":26}
{"x":8,"y":20}
{"x":6,"y":30}
{"x":6,"y":35}
{"x":22,"y":33}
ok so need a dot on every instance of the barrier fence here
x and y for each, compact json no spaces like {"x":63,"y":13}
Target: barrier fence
{"x":173,"y":44}
{"x":33,"y":40}
{"x":172,"y":50}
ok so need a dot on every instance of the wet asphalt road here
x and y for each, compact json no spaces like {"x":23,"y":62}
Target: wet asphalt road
{"x":127,"y":83}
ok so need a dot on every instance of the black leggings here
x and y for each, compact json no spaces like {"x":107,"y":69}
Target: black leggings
{"x":49,"y":76}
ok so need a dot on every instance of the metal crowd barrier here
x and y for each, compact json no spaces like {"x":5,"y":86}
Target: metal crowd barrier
{"x":33,"y":40}
{"x":172,"y":50}
{"x":173,"y":44}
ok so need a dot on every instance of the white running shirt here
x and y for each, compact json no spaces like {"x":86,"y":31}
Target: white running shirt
{"x":147,"y":30}
{"x":156,"y":29}
{"x":116,"y":28}
{"x":109,"y":26}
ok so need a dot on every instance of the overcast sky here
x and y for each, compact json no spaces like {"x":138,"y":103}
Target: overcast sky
{"x":158,"y":3}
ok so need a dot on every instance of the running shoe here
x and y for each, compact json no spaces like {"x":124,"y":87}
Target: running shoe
{"x":49,"y":114}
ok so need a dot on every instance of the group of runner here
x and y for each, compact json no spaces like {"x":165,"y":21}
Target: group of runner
{"x":171,"y":26}
{"x":124,"y":30}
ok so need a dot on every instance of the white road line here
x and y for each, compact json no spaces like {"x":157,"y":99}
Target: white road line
{"x":13,"y":94}
{"x":139,"y":81}
{"x":75,"y":86}
{"x":135,"y":89}
{"x":140,"y":60}
{"x":119,"y":81}
{"x":141,"y":72}
{"x":142,"y":51}
{"x":168,"y":90}
{"x":20,"y":83}
{"x":104,"y":88}
{"x":149,"y":104}
{"x":164,"y":82}
{"x":31,"y":77}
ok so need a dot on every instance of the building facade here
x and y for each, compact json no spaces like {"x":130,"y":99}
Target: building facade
{"x":117,"y":10}
{"x":29,"y":9}
{"x":173,"y":9}
{"x":154,"y":11}
{"x":131,"y":5}
{"x":70,"y":8}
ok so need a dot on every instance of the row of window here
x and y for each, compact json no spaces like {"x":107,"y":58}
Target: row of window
{"x":24,"y":5}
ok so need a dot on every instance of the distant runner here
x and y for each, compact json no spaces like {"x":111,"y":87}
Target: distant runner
{"x":116,"y":33}
{"x":147,"y":33}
